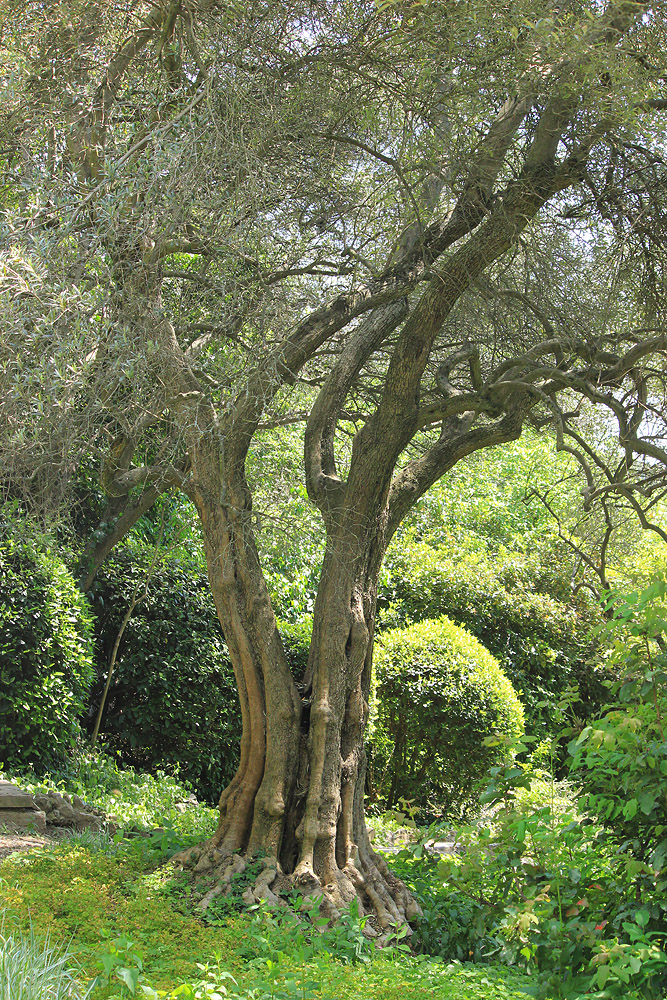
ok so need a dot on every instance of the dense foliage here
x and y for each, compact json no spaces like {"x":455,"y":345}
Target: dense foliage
{"x":383,"y":237}
{"x":568,"y":878}
{"x":172,"y":699}
{"x":133,"y":800}
{"x":46,"y":665}
{"x":440,"y":695}
{"x":128,"y":921}
{"x":619,"y":759}
{"x":536,"y":884}
{"x":543,"y":644}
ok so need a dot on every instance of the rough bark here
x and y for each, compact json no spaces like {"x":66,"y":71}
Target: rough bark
{"x":298,"y":793}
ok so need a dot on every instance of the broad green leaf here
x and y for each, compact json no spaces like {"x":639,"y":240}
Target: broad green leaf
{"x":130,"y":977}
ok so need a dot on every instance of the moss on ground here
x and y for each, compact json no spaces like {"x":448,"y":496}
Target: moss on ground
{"x":85,"y":896}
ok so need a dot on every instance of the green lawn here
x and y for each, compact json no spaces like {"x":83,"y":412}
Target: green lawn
{"x":117,"y":905}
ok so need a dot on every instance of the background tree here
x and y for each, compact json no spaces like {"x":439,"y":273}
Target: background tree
{"x":396,"y":261}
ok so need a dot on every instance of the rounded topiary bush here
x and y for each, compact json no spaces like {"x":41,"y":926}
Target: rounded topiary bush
{"x":46,"y":665}
{"x":543,"y":644}
{"x":439,"y":695}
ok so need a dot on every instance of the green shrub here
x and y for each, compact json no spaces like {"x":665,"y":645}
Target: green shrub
{"x":440,"y":694}
{"x":541,"y":643}
{"x":537,"y":882}
{"x":45,"y":649}
{"x":173,"y":698}
{"x":619,"y":760}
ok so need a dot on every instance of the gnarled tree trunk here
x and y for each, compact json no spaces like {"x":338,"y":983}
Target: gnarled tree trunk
{"x":297,"y":797}
{"x":298,"y":792}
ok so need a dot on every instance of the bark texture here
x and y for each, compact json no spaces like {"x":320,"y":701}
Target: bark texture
{"x":297,"y":796}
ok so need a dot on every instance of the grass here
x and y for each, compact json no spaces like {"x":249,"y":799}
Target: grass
{"x":34,"y":969}
{"x":108,"y":902}
{"x":87,"y":895}
{"x":114,"y":921}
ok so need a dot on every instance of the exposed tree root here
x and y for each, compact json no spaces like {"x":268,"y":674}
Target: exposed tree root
{"x":381,"y":896}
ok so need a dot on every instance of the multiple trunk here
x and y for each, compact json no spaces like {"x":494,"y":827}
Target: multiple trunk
{"x":298,"y":793}
{"x":297,"y":796}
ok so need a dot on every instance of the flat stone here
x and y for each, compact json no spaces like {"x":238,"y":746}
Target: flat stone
{"x":12,"y":797}
{"x":445,"y":846}
{"x":23,"y":819}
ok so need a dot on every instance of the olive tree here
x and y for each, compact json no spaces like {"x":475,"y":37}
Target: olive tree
{"x":412,"y":228}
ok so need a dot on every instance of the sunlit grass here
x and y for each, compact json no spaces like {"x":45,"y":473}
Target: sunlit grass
{"x":36,"y":969}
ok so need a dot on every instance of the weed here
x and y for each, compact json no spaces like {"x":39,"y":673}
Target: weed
{"x":223,"y":906}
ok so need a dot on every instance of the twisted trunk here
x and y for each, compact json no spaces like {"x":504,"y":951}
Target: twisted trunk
{"x":334,"y":847}
{"x":252,"y":807}
{"x":297,"y":796}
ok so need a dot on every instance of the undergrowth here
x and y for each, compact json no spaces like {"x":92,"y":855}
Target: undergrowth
{"x":120,"y":910}
{"x":129,"y":798}
{"x":36,"y":969}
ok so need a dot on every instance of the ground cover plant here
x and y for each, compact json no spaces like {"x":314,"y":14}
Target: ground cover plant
{"x":106,"y":901}
{"x":121,"y":921}
{"x":129,"y":798}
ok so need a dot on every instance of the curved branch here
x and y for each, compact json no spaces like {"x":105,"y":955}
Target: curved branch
{"x":415,"y":478}
{"x":320,"y":462}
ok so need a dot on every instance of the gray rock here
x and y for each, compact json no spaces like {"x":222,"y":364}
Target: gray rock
{"x":23,"y":819}
{"x":18,"y":809}
{"x":445,"y":846}
{"x":86,"y":821}
{"x":12,"y":797}
{"x":64,"y":815}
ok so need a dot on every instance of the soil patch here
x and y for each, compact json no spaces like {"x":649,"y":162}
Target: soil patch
{"x":11,"y":843}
